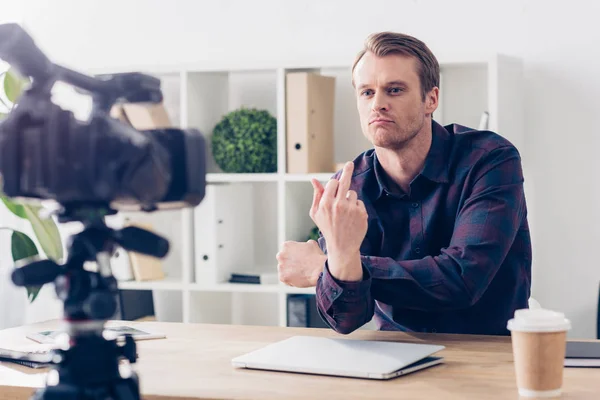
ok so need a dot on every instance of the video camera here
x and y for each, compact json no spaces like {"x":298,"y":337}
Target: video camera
{"x":91,"y":169}
{"x":45,"y":153}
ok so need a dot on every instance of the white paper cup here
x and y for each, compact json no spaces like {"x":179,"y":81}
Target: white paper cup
{"x":539,"y":339}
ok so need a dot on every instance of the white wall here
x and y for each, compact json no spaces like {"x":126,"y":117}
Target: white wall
{"x":563,"y":60}
{"x":556,"y":39}
{"x":260,"y":32}
{"x":16,"y":309}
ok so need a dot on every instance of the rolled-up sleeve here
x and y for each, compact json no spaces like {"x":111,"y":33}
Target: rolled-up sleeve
{"x":342,"y":304}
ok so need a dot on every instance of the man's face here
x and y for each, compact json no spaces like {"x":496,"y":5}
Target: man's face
{"x":389,"y":100}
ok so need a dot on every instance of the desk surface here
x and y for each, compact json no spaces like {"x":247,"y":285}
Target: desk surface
{"x":194,"y":362}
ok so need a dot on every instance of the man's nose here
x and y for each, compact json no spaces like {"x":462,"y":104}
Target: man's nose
{"x":380,"y":103}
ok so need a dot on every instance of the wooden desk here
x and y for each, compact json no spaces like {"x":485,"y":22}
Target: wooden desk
{"x":194,"y":363}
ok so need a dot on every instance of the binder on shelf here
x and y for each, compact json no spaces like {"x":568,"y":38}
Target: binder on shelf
{"x":309,"y":122}
{"x":224,"y":232}
{"x":120,"y":264}
{"x":144,"y":267}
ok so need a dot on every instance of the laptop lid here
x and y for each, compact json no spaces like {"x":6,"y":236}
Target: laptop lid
{"x":334,"y":356}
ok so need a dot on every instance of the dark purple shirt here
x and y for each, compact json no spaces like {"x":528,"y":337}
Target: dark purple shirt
{"x":453,"y":255}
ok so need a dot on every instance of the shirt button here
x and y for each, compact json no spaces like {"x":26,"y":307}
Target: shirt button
{"x":334,"y":292}
{"x":417,"y":250}
{"x":415,"y":205}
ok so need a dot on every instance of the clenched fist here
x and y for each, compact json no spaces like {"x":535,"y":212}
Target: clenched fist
{"x":300,"y":263}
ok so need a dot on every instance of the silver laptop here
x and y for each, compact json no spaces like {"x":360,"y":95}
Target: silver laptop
{"x":341,"y":357}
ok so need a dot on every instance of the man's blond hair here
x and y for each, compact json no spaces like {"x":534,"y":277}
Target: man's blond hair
{"x":385,"y":43}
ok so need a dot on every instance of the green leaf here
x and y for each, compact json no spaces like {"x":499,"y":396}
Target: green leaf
{"x":14,"y":85}
{"x":32,"y":292}
{"x":23,"y":247}
{"x":14,"y":207}
{"x":46,"y":232}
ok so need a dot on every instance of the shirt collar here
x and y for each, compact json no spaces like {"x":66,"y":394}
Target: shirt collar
{"x":436,"y":163}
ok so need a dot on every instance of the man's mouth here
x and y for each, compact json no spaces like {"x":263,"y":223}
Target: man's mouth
{"x":380,"y":121}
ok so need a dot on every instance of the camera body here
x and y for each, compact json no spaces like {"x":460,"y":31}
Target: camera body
{"x":46,"y":153}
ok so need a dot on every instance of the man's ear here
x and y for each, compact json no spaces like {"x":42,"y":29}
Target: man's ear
{"x":432,"y":100}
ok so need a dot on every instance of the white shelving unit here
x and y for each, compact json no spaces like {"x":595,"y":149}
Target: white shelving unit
{"x":199,"y":98}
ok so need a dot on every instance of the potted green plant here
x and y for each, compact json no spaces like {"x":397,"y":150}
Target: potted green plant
{"x":45,"y":230}
{"x":245,"y":141}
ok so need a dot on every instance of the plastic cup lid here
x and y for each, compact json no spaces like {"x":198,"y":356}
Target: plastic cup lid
{"x":538,"y":320}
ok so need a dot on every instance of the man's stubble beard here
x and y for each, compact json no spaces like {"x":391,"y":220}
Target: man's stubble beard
{"x":395,"y":140}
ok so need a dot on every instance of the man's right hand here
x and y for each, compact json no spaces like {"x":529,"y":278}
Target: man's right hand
{"x":300,"y":263}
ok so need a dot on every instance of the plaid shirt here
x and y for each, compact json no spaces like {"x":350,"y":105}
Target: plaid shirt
{"x":453,"y":256}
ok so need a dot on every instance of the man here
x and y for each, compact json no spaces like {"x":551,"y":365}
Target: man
{"x":428,"y":230}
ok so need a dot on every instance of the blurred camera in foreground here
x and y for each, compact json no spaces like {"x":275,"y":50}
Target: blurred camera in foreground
{"x":46,"y":153}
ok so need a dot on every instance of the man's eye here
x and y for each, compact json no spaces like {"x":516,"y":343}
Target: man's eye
{"x":367,"y":92}
{"x":395,"y":90}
